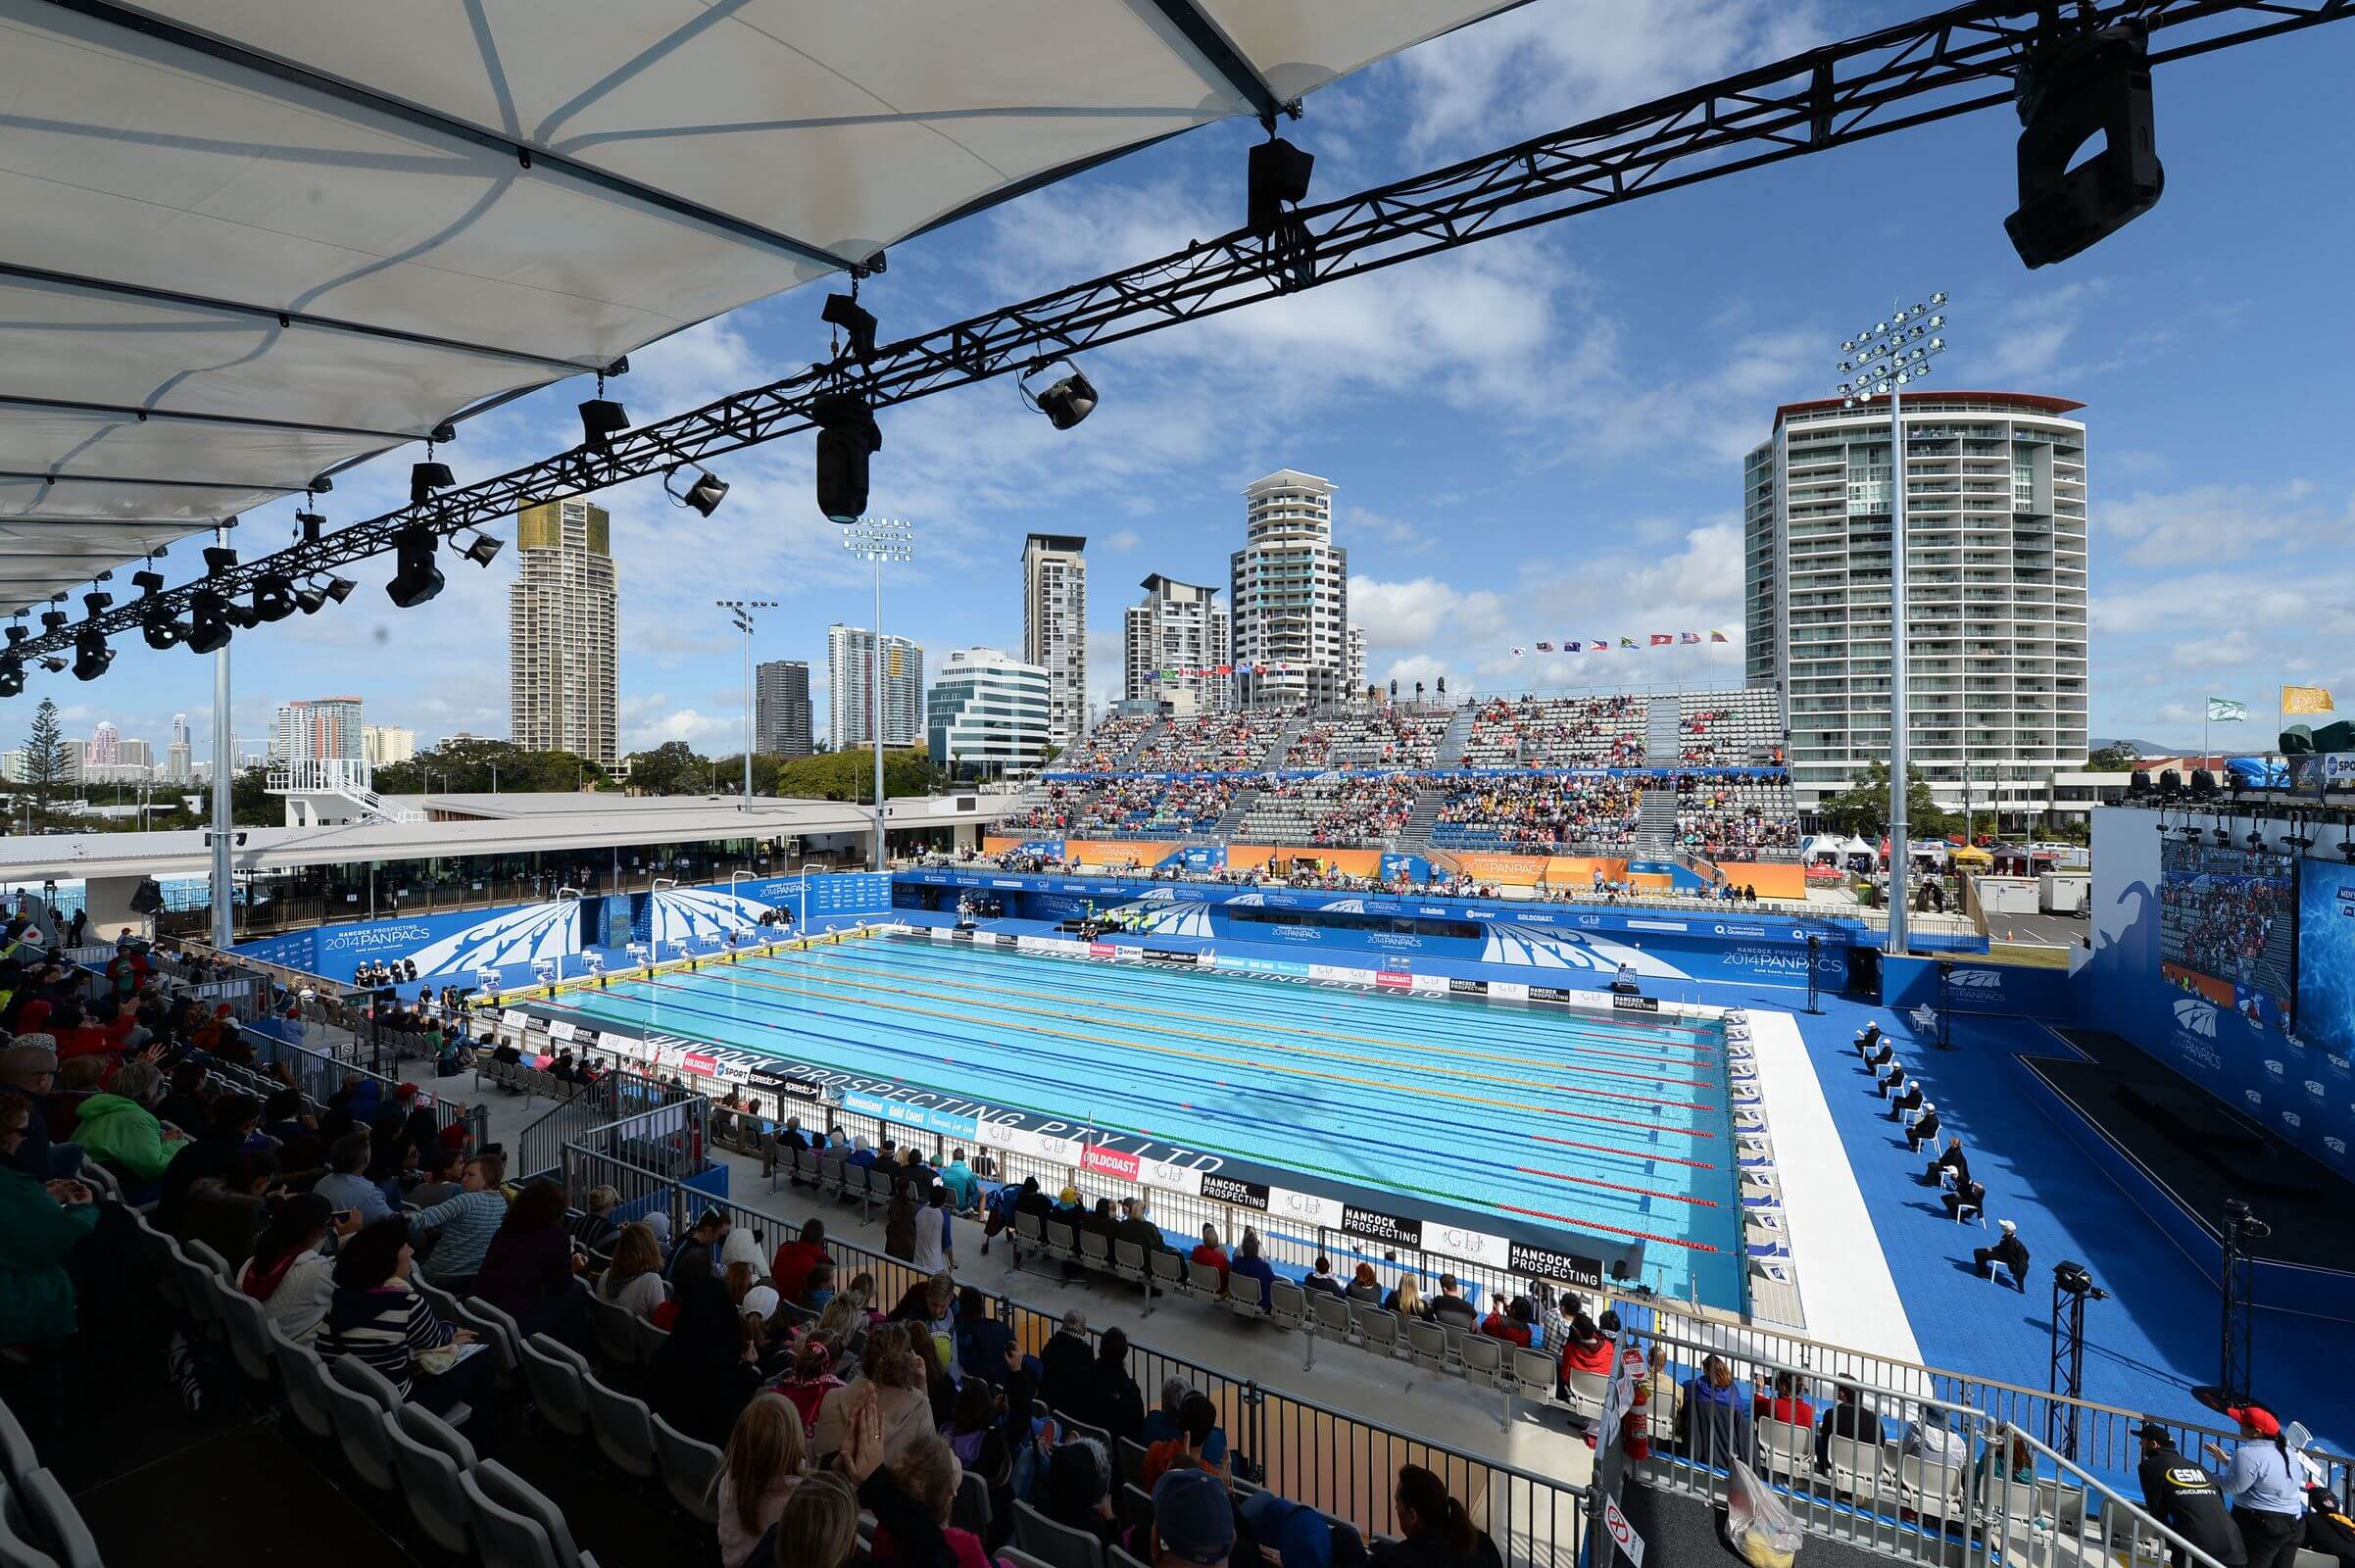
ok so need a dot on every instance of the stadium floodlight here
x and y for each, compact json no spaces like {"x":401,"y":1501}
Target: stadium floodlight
{"x":482,"y":550}
{"x":426,"y":477}
{"x":11,"y":676}
{"x":147,"y":582}
{"x":339,"y":589}
{"x":208,"y":626}
{"x":311,"y":597}
{"x":313,"y":525}
{"x":1881,"y":361}
{"x":878,"y":540}
{"x":220,"y":559}
{"x":161,"y":630}
{"x":740,"y":615}
{"x":601,"y":419}
{"x":273,"y":598}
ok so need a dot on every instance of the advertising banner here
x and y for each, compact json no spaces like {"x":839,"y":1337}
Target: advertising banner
{"x":1234,"y":1194}
{"x":1545,"y":1263}
{"x":1108,"y":1162}
{"x":1376,"y":1226}
{"x":899,"y":1113}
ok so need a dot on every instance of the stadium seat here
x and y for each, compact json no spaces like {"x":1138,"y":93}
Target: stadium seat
{"x":1332,"y":1318}
{"x":831,"y":1182}
{"x":248,"y":1329}
{"x":1135,"y":1506}
{"x":651,"y":1339}
{"x":1072,"y":1428}
{"x":444,"y":1304}
{"x":1378,"y":1330}
{"x":1785,"y":1449}
{"x":1131,"y":1458}
{"x":1484,"y":1361}
{"x":1201,"y":1279}
{"x":624,"y":1430}
{"x":1095,"y":1251}
{"x":358,"y":1419}
{"x":1116,"y":1558}
{"x":207,"y":1257}
{"x":500,"y":1333}
{"x":1129,"y":1263}
{"x":15,"y":1551}
{"x":971,"y":1509}
{"x":16,"y":1458}
{"x":305,"y":1384}
{"x":1856,"y":1467}
{"x":509,"y":1534}
{"x":1288,"y":1306}
{"x":54,"y":1518}
{"x":195,"y":1280}
{"x":690,"y":1471}
{"x":1533,"y":1373}
{"x":1427,"y":1345}
{"x":1016,"y":1557}
{"x":1062,"y":1242}
{"x":616,"y":1331}
{"x":558,"y":1379}
{"x":1052,"y":1544}
{"x":1245,"y":1303}
{"x":1931,"y":1489}
{"x":1168,"y":1273}
{"x":1587,"y":1393}
{"x":429,"y":1484}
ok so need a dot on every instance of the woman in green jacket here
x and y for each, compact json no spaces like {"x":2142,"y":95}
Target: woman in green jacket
{"x":39,"y":1224}
{"x":119,"y":1130}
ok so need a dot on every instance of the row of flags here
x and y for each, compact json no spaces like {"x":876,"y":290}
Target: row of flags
{"x":1604,"y":645}
{"x":2294,"y":700}
{"x":1173,"y":671}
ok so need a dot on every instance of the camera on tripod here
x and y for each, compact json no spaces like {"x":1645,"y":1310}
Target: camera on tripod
{"x":2075,"y":1280}
{"x":2239,"y":1219}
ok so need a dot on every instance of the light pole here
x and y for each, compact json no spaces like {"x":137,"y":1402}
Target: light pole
{"x":740,"y":612}
{"x":1880,"y":363}
{"x":878,"y":540}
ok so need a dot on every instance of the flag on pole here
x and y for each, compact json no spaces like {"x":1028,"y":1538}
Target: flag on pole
{"x":1717,"y":636}
{"x":2306,"y":699}
{"x":1626,"y":642}
{"x":1544,"y":647}
{"x":1688,"y":636}
{"x":1570,"y":647}
{"x":1661,"y":639}
{"x":1519,"y":651}
{"x":2223,"y":708}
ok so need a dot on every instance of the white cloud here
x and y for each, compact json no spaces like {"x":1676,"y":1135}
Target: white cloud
{"x":2219,"y":523}
{"x":1409,"y":614}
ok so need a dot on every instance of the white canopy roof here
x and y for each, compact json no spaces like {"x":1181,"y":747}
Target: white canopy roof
{"x":245,"y":241}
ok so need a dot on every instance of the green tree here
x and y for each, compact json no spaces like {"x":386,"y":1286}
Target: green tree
{"x":251,"y":805}
{"x":1862,"y":808}
{"x":2112,"y":759}
{"x":674,"y":767}
{"x":851,"y":775}
{"x":46,"y":763}
{"x":469,"y":766}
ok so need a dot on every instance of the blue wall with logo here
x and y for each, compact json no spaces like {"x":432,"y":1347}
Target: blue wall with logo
{"x":2003,"y":989}
{"x":2291,"y":1082}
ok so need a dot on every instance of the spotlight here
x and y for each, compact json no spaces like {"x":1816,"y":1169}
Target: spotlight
{"x":220,"y":559}
{"x":11,"y":676}
{"x":340,"y":589}
{"x":847,"y":435}
{"x":54,"y":666}
{"x":601,"y":419}
{"x":311,"y":597}
{"x":273,"y":598}
{"x":54,"y":620}
{"x":16,"y":633}
{"x":96,"y":602}
{"x":91,"y":655}
{"x":485,"y":548}
{"x":857,"y":322}
{"x":314,"y":524}
{"x":1278,"y":173}
{"x":2071,"y":90}
{"x":160,"y":629}
{"x":239,"y":616}
{"x":1065,"y":402}
{"x":148,"y":582}
{"x":426,"y":477}
{"x":416,"y":577}
{"x":208,"y":621}
{"x":705,"y":495}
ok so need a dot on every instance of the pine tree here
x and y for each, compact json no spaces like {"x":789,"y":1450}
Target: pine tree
{"x":45,"y":765}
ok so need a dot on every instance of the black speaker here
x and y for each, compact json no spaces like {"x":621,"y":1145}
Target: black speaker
{"x":1277,"y":173}
{"x":2070,"y":91}
{"x":146,"y":897}
{"x":2170,"y":781}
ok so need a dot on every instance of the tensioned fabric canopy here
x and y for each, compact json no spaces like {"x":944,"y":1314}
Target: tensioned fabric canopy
{"x":245,"y":242}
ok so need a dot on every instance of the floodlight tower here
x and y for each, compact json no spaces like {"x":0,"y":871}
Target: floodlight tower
{"x":879,"y":540}
{"x":740,"y":615}
{"x":1881,"y":361}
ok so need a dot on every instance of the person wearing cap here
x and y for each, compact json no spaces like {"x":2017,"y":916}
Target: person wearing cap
{"x":1303,"y":1538}
{"x":1951,"y":1158}
{"x":1924,"y":1128}
{"x":28,"y":1067}
{"x":1910,"y":1097}
{"x":2265,"y":1487}
{"x":1869,"y":1036}
{"x":1193,"y":1521}
{"x":2009,"y":1250}
{"x":1965,"y":1199}
{"x":2180,"y":1493}
{"x":1890,"y":1080}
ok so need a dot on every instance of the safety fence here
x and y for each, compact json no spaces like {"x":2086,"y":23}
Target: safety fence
{"x":614,"y":1096}
{"x":321,"y":1074}
{"x":1304,"y":1450}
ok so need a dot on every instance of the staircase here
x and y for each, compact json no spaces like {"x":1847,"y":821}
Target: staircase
{"x":1655,"y":823}
{"x":310,"y":786}
{"x":1145,"y":738}
{"x":1663,"y":745}
{"x":1416,"y":834}
{"x":1452,"y":744}
{"x":1231,"y":823}
{"x":1283,"y":746}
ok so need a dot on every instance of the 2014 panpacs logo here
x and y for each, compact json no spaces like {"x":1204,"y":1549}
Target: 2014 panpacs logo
{"x":2252,"y":1097}
{"x":1989,"y":980}
{"x":2196,"y":1015}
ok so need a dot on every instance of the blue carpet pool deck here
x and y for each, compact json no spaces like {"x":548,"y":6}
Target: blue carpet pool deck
{"x":1545,"y":1118}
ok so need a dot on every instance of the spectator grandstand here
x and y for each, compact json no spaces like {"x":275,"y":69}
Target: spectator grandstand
{"x":1105,"y":746}
{"x":1743,"y":817}
{"x":1727,"y":729}
{"x":1215,"y":743}
{"x":1559,"y":732}
{"x":1335,"y":811}
{"x":1389,"y":737}
{"x":1542,"y":814}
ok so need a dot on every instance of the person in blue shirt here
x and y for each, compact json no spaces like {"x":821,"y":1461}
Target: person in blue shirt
{"x":965,"y":1188}
{"x":863,"y":1155}
{"x":2269,"y":1497}
{"x":345,"y":1189}
{"x":1250,"y":1266}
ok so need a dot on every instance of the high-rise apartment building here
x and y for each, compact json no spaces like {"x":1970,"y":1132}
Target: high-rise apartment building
{"x":987,"y":713}
{"x":563,"y":634}
{"x":1176,"y":648}
{"x":1352,"y":661}
{"x":1054,"y":626}
{"x":136,"y":754}
{"x":178,"y":765}
{"x":851,"y":688}
{"x":387,"y":744}
{"x":105,"y":742}
{"x":781,"y":708}
{"x":325,"y":729}
{"x":1289,"y":592}
{"x":1995,"y":601}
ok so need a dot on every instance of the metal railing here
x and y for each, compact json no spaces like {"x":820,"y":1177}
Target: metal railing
{"x":1303,"y":1450}
{"x":616,"y":1096}
{"x":319,"y":1074}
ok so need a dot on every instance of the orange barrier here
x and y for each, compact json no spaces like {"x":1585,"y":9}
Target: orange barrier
{"x":1774,"y":879}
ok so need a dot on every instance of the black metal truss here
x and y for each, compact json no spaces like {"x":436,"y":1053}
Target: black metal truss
{"x":1933,"y":68}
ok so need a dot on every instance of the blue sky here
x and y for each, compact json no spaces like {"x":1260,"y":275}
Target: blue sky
{"x":1535,"y":437}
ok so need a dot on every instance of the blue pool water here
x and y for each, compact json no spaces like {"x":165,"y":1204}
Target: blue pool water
{"x":1580,"y":1121}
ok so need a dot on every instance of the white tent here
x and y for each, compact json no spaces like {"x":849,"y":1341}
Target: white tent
{"x":245,"y":241}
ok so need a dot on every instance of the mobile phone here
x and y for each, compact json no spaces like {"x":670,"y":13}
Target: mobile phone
{"x":342,"y":1215}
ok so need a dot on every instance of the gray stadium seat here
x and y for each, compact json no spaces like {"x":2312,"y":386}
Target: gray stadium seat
{"x":492,"y":1484}
{"x":1532,"y":1373}
{"x":624,"y":1430}
{"x":614,"y":1330}
{"x":58,"y":1522}
{"x":690,"y":1471}
{"x":429,"y":1484}
{"x":1129,"y":1262}
{"x":503,"y":1536}
{"x":248,"y":1327}
{"x":1785,"y":1449}
{"x":1330,"y":1315}
{"x":1587,"y":1390}
{"x":1244,"y":1302}
{"x":1055,"y":1545}
{"x":1484,"y":1361}
{"x":1072,"y":1428}
{"x":359,"y":1429}
{"x":651,"y":1340}
{"x":971,"y":1510}
{"x":211,"y":1259}
{"x":1427,"y":1345}
{"x":501,"y":1334}
{"x":1167,"y":1271}
{"x":18,"y":1552}
{"x":1095,"y":1251}
{"x":1062,"y":1242}
{"x":16,"y":1458}
{"x":1201,"y":1279}
{"x":306,"y":1378}
{"x":1288,"y":1306}
{"x":559,"y":1382}
{"x":1378,"y":1330}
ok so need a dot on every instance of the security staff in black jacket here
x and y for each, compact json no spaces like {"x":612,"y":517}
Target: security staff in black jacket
{"x":2181,"y":1495}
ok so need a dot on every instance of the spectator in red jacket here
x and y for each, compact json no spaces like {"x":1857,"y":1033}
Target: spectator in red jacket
{"x":789,"y":1270}
{"x":1509,"y":1323}
{"x":1584,"y":1348}
{"x":1785,"y":1403}
{"x":1211,"y":1252}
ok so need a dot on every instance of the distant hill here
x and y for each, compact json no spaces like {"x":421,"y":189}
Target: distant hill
{"x":2139,"y":748}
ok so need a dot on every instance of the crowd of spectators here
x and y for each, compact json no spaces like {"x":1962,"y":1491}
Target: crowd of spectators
{"x":1236,"y":742}
{"x":1103,"y":747}
{"x":1333,"y":811}
{"x":1739,"y":817}
{"x":1543,"y":812}
{"x":1386,"y":737}
{"x":1559,"y":732}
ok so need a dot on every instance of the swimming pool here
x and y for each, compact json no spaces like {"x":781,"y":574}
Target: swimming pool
{"x":1585,"y":1122}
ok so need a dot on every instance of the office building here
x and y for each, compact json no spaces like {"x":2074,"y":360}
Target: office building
{"x":1175,"y":647}
{"x":562,"y":633}
{"x":1996,"y":558}
{"x":781,"y":708}
{"x":1054,"y":626}
{"x":325,"y":729}
{"x":850,"y":689}
{"x":179,"y":768}
{"x":387,"y":744}
{"x":988,"y":713}
{"x":1289,"y":593}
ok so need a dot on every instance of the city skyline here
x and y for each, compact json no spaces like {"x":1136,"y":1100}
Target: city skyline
{"x":1544,"y":428}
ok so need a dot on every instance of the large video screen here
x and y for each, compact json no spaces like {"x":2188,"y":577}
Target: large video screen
{"x":2327,"y":957}
{"x":2227,"y":927}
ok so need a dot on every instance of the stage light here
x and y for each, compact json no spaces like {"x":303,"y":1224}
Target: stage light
{"x":1277,"y":174}
{"x":2070,"y":91}
{"x":55,"y":667}
{"x":147,"y":582}
{"x":54,"y":620}
{"x":309,"y":596}
{"x":340,"y":589}
{"x":160,"y":629}
{"x":484,"y":549}
{"x":314,"y":524}
{"x":601,"y":419}
{"x":96,"y":602}
{"x":847,"y":435}
{"x":705,"y":495}
{"x":857,"y":325}
{"x":1064,"y":401}
{"x":11,"y":676}
{"x":91,"y":655}
{"x":273,"y":598}
{"x":415,"y":576}
{"x":426,"y":477}
{"x":17,"y":633}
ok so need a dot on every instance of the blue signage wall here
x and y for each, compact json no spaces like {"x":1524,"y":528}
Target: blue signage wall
{"x":1987,"y":988}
